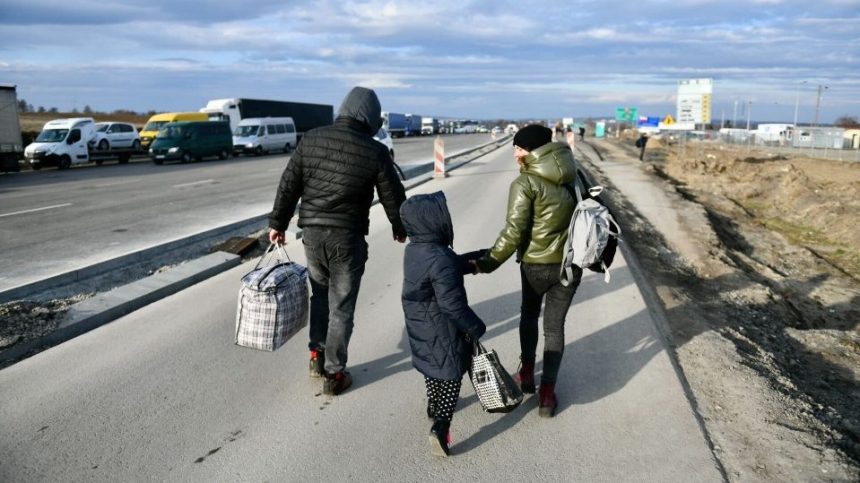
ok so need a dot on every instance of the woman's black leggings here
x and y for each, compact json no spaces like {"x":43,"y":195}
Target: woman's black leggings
{"x":442,"y":396}
{"x":539,"y":281}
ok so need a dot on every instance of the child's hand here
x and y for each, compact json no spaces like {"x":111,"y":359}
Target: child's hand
{"x":475,"y":268}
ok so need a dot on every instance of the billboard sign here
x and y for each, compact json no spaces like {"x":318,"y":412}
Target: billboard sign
{"x":649,"y":121}
{"x":694,"y":101}
{"x":626,"y":114}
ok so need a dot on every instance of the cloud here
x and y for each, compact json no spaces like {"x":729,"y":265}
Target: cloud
{"x":450,"y":55}
{"x":375,"y":81}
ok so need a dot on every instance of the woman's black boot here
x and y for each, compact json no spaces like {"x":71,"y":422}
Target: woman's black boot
{"x":440,"y":438}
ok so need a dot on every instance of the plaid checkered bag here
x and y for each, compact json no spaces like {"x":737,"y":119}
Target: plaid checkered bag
{"x":496,"y":389}
{"x":273,"y":302}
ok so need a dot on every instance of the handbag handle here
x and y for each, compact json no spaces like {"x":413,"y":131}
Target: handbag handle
{"x":274,"y":248}
{"x":478,"y":348}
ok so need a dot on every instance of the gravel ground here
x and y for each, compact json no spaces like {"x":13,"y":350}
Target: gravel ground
{"x":30,"y":319}
{"x":765,"y":331}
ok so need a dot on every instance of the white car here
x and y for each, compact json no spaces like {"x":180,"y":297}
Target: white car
{"x":114,"y":136}
{"x":383,"y":137}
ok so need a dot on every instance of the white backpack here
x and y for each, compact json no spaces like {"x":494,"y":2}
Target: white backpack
{"x":592,"y":228}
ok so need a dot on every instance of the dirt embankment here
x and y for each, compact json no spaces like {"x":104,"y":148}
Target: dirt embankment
{"x":766,"y":325}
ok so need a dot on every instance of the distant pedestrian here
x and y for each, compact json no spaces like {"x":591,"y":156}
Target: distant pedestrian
{"x":540,"y":205}
{"x":334,"y":172}
{"x":559,"y":130}
{"x":581,"y":132}
{"x":440,"y":324}
{"x":640,"y":143}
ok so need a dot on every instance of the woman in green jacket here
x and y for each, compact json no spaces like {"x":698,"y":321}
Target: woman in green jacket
{"x":539,"y":211}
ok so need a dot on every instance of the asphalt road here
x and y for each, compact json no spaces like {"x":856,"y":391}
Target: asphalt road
{"x":163,"y":394}
{"x":55,"y":221}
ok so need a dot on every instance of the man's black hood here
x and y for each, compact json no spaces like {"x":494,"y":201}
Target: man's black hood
{"x":427,"y":220}
{"x":362,"y":105}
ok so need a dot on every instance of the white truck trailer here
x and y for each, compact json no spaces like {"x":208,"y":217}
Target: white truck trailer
{"x":11,"y":147}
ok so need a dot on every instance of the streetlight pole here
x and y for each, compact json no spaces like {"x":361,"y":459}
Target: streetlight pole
{"x":797,"y":102}
{"x":749,"y":111}
{"x":818,"y":102}
{"x":735,"y":116}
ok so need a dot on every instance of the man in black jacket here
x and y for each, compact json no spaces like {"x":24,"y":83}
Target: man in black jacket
{"x":334,"y":171}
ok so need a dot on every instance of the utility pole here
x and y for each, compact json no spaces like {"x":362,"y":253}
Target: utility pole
{"x":818,"y":102}
{"x":735,"y":116}
{"x":797,"y":102}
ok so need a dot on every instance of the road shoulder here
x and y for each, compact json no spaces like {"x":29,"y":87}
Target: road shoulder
{"x":760,"y":429}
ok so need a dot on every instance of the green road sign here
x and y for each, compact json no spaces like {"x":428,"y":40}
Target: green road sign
{"x":626,"y":114}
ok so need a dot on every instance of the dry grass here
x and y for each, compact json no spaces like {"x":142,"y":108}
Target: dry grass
{"x":34,"y":121}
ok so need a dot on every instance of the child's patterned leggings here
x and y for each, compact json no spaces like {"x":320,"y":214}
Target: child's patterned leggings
{"x":442,"y":396}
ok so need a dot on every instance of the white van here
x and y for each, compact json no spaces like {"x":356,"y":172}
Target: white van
{"x":264,"y":134}
{"x":62,"y":143}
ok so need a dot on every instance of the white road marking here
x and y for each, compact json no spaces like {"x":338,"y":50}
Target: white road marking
{"x":195,"y":183}
{"x":35,"y":209}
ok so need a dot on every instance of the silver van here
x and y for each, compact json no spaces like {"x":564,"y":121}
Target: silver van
{"x":264,"y":135}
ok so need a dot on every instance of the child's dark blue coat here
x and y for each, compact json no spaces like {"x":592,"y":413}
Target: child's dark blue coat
{"x":437,"y":311}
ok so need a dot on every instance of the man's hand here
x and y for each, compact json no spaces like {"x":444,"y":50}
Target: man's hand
{"x":399,"y":234}
{"x":277,"y":237}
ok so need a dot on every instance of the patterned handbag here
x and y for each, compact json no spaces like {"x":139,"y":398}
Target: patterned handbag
{"x":273,"y":302}
{"x":495,"y":388}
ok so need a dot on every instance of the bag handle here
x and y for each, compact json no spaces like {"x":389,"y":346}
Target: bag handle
{"x":276,"y":249}
{"x":478,"y":348}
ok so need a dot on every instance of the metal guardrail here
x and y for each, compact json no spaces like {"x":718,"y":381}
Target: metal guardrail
{"x":144,"y":258}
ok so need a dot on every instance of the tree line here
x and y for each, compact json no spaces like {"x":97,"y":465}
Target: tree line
{"x":25,"y":107}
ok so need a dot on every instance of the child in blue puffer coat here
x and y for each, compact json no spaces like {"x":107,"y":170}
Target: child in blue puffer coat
{"x":439,"y":322}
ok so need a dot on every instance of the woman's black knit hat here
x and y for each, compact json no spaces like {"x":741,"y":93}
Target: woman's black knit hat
{"x":532,"y":137}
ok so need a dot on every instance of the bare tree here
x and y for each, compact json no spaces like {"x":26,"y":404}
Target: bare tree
{"x":847,"y":121}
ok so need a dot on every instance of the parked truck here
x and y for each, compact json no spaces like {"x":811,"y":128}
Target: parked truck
{"x":394,"y":123}
{"x":80,"y":140}
{"x":429,"y":125}
{"x":62,"y":143}
{"x":413,"y":125}
{"x":306,"y":116}
{"x":11,"y":147}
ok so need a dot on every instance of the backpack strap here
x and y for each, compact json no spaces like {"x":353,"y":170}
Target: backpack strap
{"x":574,"y":193}
{"x":566,"y":274}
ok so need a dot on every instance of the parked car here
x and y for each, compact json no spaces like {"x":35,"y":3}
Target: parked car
{"x":383,"y":137}
{"x":262,"y":135}
{"x":156,"y":122}
{"x":115,"y":135}
{"x":194,"y":140}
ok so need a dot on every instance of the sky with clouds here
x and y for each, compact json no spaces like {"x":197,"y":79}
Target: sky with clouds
{"x":464,"y":58}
